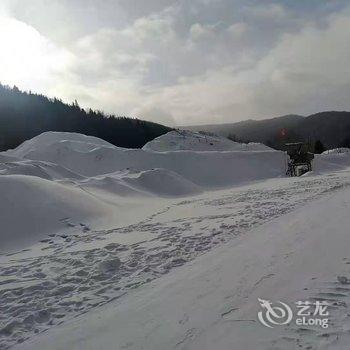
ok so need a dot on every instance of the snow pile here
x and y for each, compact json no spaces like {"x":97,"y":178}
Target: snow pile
{"x":331,"y":161}
{"x":196,"y":141}
{"x":45,"y":170}
{"x":32,"y":208}
{"x":154,"y":182}
{"x":84,"y":165}
{"x":71,"y":140}
{"x":57,"y":175}
{"x":337,"y":150}
{"x":162,"y":182}
{"x":4,"y":157}
{"x":207,"y":169}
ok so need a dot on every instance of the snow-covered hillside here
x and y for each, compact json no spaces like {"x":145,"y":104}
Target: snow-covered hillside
{"x":102,"y":246}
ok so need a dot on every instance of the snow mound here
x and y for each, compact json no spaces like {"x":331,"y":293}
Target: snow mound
{"x":44,"y":170}
{"x":154,"y":182}
{"x":163,"y":182}
{"x":111,"y":184}
{"x":208,"y":169}
{"x":32,"y":207}
{"x":74,"y":141}
{"x":196,"y":141}
{"x":4,"y":158}
{"x":339,"y":150}
{"x":63,"y":175}
{"x":333,"y":161}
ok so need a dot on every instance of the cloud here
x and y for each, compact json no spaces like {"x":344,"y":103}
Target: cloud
{"x":149,"y":29}
{"x":27,"y":58}
{"x":272,"y":11}
{"x":307,"y":71}
{"x":155,"y":113}
{"x":304,"y":73}
{"x":201,"y":32}
{"x":179,"y":63}
{"x":238,"y":29}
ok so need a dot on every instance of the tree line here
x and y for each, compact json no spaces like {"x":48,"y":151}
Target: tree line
{"x":24,"y":115}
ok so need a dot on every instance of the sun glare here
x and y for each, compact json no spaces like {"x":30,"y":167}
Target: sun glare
{"x":27,"y":58}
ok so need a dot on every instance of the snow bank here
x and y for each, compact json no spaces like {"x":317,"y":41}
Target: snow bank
{"x":208,"y":169}
{"x":7,"y":158}
{"x":333,"y":161}
{"x":45,"y":170}
{"x":163,"y":182}
{"x":71,"y":140}
{"x":187,"y":140}
{"x":57,"y":175}
{"x":212,"y":169}
{"x":337,"y":150}
{"x":32,"y":207}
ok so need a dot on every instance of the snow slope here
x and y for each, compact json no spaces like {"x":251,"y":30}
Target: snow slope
{"x":68,"y":275}
{"x":45,"y":170}
{"x":212,"y":302}
{"x":162,"y":182}
{"x":32,"y":207}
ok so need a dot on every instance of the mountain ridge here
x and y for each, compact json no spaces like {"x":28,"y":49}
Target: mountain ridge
{"x":330,"y":127}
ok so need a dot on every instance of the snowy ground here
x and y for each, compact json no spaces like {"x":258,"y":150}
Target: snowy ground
{"x":212,"y":303}
{"x":140,"y":279}
{"x":67,"y":275}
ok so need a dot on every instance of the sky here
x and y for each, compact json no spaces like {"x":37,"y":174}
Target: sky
{"x":181,"y":62}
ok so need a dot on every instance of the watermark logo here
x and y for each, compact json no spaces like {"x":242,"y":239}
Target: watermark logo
{"x":306,"y":313}
{"x":274,"y":315}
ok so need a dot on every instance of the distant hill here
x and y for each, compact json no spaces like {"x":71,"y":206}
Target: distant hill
{"x":24,"y":115}
{"x":332,"y":128}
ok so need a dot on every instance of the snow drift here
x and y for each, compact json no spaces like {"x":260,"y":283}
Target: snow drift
{"x":72,"y":140}
{"x":45,"y":170}
{"x":32,"y":208}
{"x":57,"y":175}
{"x":337,"y":150}
{"x":331,"y":160}
{"x":210,"y":169}
{"x":163,"y":182}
